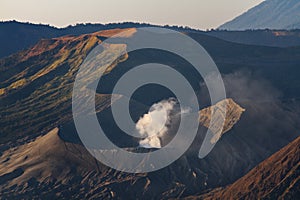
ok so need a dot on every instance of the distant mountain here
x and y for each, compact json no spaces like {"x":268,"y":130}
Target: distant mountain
{"x":271,"y":14}
{"x":274,"y":38}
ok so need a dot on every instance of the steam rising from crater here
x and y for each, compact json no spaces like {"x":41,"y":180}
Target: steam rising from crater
{"x":154,"y":125}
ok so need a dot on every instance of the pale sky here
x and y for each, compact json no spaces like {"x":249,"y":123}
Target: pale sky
{"x":201,"y":14}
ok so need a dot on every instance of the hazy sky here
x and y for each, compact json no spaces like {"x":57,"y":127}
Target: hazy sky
{"x":200,"y":14}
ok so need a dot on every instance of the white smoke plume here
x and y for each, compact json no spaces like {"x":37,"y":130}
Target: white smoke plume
{"x":154,"y":125}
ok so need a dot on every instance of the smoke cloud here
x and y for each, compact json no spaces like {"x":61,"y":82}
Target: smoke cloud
{"x":267,"y":125}
{"x":155,"y":124}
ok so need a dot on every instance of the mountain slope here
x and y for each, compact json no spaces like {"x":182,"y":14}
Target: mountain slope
{"x":276,"y":177}
{"x":42,"y":78}
{"x":271,"y":14}
{"x":36,"y":97}
{"x":52,"y":168}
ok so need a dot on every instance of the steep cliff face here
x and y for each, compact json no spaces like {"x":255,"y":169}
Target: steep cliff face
{"x":276,"y":177}
{"x":226,"y":114}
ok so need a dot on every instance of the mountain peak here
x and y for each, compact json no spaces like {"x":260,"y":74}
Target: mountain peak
{"x":270,"y":14}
